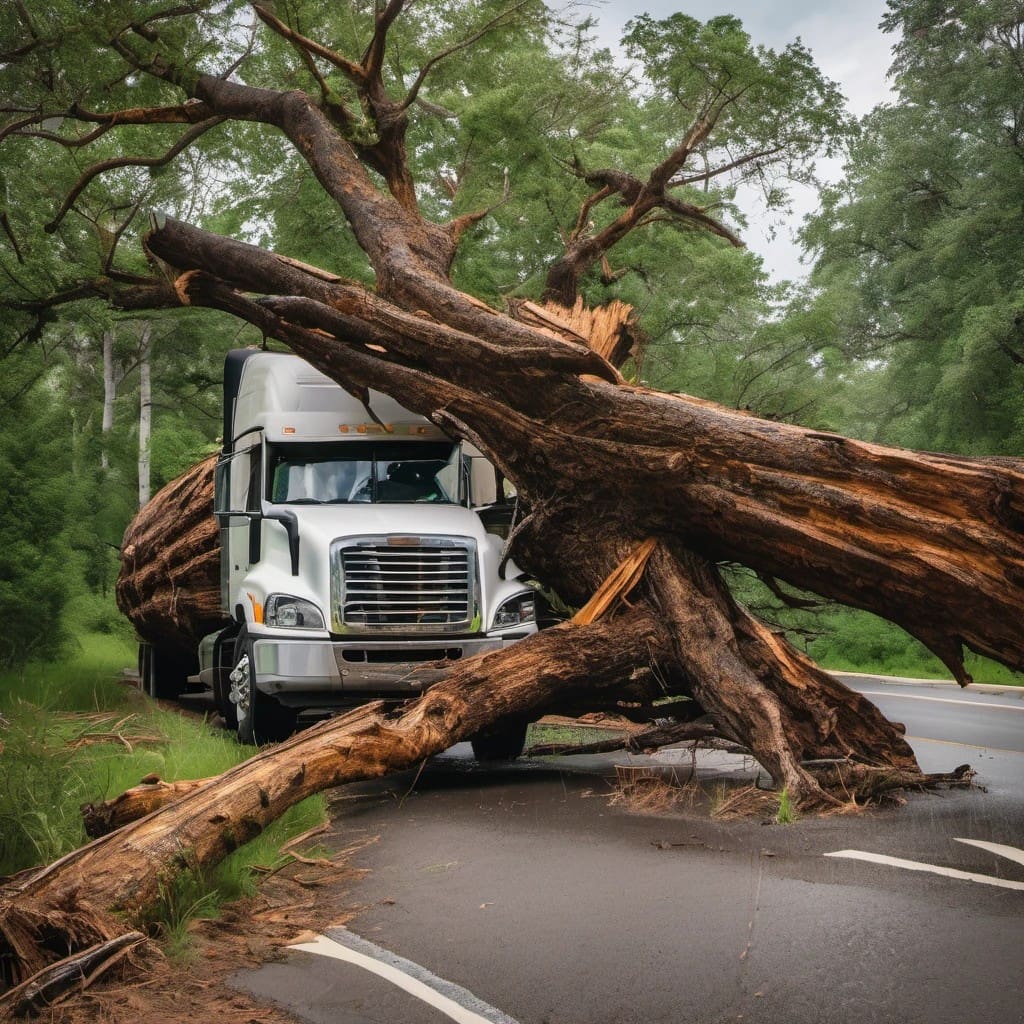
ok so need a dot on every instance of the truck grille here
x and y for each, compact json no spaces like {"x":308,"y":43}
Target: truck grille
{"x":404,"y":584}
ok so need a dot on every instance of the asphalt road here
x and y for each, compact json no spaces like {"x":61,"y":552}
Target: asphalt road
{"x":519,"y":894}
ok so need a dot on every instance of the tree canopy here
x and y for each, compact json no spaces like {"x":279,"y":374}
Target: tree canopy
{"x":917,"y":248}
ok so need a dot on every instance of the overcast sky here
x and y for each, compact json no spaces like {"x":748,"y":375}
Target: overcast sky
{"x":848,"y":46}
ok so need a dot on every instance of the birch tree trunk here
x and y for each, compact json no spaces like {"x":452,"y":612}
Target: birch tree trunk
{"x":109,"y":396}
{"x":145,"y":412}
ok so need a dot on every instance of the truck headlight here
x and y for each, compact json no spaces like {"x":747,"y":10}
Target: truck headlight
{"x":516,"y":611}
{"x":292,"y":613}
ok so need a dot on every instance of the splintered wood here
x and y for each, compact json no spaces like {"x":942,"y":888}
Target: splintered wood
{"x":617,"y":586}
{"x":608,"y":329}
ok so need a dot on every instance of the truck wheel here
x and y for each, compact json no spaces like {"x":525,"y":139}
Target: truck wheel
{"x":162,"y":674}
{"x":502,"y":744}
{"x":261,"y":719}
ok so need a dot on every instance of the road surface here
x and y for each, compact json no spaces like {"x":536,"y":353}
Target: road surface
{"x":519,"y":894}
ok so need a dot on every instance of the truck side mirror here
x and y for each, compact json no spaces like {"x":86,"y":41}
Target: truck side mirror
{"x":290,"y":522}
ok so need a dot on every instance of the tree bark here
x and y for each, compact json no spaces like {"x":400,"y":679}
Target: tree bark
{"x":934,"y":543}
{"x":169,"y":584}
{"x":148,"y":796}
{"x":931,"y":542}
{"x":145,"y":412}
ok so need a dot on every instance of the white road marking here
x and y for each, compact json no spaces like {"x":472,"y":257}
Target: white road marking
{"x":952,"y":743}
{"x":942,"y":700}
{"x":1009,"y":852}
{"x":968,"y":876}
{"x":459,"y":1004}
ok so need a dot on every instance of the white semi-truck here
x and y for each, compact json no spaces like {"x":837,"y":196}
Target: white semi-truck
{"x":361,"y":553}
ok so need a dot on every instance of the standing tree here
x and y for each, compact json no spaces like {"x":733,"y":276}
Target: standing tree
{"x":918,"y":258}
{"x":361,"y":105}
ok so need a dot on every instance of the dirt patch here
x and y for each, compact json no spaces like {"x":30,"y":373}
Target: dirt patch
{"x":307,"y":896}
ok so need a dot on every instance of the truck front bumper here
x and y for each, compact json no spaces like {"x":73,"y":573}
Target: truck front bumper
{"x":295,"y":670}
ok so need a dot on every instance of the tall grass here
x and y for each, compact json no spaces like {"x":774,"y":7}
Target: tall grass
{"x":51,"y":763}
{"x":856,"y":641}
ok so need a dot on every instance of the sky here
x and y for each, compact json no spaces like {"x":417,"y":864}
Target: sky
{"x":849,"y":48}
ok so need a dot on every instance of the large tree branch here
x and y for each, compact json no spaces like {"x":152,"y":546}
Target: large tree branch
{"x":468,"y":335}
{"x":676,"y":160}
{"x":87,"y":894}
{"x":373,"y":58}
{"x":934,"y":543}
{"x":496,"y":22}
{"x":699,"y":217}
{"x":92,"y":172}
{"x":124,"y":291}
{"x":352,"y":70}
{"x":715,"y":172}
{"x":584,"y":250}
{"x":185,"y":113}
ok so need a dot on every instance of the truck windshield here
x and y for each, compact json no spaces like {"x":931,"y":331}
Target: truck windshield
{"x":365,"y":471}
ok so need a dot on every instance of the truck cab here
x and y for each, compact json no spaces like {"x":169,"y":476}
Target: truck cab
{"x":361,"y":552}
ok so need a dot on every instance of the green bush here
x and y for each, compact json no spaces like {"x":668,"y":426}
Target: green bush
{"x":849,"y":640}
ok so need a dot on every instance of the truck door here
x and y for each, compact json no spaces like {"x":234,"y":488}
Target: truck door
{"x":237,"y":490}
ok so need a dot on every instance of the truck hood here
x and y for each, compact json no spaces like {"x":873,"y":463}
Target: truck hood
{"x":321,"y":524}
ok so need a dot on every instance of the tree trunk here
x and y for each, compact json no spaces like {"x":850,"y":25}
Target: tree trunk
{"x":931,"y":542}
{"x":109,"y":394}
{"x":145,"y":413}
{"x":169,"y":584}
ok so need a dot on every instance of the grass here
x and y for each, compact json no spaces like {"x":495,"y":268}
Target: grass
{"x":786,"y":814}
{"x":76,"y":731}
{"x":544,"y":733}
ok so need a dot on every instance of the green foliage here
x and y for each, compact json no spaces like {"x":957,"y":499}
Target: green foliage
{"x":786,"y":814}
{"x":850,"y":640}
{"x":33,"y":452}
{"x":776,"y":105}
{"x":919,"y":249}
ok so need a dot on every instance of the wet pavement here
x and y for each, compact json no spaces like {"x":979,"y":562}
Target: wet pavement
{"x":518,"y":893}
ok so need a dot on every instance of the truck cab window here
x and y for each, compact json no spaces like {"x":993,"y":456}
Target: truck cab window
{"x":237,"y":487}
{"x":362,"y":472}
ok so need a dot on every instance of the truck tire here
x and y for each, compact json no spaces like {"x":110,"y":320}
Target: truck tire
{"x":221,"y":689}
{"x":224,"y":663}
{"x":501,"y":744}
{"x":162,"y":674}
{"x":260,"y":718}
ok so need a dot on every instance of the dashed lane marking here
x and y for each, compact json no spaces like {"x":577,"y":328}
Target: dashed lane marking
{"x":943,"y":700}
{"x":450,"y":999}
{"x":1009,"y":852}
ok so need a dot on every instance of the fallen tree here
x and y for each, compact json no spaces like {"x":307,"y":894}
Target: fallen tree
{"x":934,"y":543}
{"x":83,"y":898}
